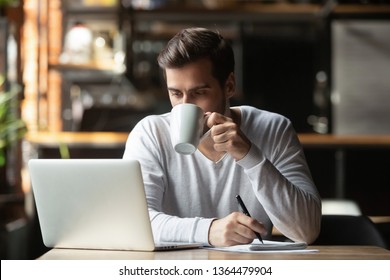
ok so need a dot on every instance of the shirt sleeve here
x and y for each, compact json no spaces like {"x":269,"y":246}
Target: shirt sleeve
{"x":282,"y":183}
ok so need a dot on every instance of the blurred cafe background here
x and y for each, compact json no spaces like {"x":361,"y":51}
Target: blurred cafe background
{"x":77,"y":75}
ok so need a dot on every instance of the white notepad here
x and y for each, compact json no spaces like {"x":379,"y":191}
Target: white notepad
{"x":268,"y":246}
{"x":276,"y":245}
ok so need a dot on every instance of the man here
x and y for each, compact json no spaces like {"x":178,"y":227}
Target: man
{"x":250,"y":152}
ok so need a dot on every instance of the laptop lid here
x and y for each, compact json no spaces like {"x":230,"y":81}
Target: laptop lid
{"x":92,"y":204}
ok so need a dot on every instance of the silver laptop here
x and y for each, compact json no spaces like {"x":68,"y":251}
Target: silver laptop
{"x":93,"y":204}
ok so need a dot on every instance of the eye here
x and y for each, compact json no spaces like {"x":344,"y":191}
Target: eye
{"x":175,"y":93}
{"x":201,"y":91}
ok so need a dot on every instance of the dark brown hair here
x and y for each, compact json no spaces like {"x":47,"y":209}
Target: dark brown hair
{"x":192,"y":44}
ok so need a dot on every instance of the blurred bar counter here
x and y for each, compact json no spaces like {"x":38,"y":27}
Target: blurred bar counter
{"x":334,"y":179}
{"x":78,"y":139}
{"x":118,"y":139}
{"x":77,"y":144}
{"x":311,"y":140}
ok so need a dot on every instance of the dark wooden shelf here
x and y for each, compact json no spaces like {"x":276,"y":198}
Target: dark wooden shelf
{"x":107,"y":67}
{"x":90,"y":9}
{"x":240,"y":12}
{"x":11,"y":198}
{"x":362,"y":9}
{"x":344,"y":141}
{"x":249,"y":11}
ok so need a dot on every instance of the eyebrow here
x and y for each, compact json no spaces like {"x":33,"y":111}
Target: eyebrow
{"x":203,"y":86}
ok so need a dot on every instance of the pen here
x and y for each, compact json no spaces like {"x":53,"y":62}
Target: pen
{"x":245,"y":211}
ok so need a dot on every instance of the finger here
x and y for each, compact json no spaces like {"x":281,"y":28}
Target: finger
{"x":239,"y":234}
{"x":224,"y":132}
{"x":246,"y":234}
{"x":223,"y":232}
{"x":206,"y":116}
{"x":215,"y":118}
{"x":241,"y":239}
{"x":206,"y":128}
{"x":252,"y":224}
{"x":242,"y":234}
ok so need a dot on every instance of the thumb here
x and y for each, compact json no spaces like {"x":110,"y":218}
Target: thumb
{"x":215,"y":119}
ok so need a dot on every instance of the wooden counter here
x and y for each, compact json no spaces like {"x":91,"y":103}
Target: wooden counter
{"x":78,"y":139}
{"x":340,"y":144}
{"x":308,"y":140}
{"x":311,"y":140}
{"x":117,"y":140}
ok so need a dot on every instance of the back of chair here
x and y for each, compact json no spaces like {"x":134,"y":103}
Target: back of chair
{"x":349,"y":230}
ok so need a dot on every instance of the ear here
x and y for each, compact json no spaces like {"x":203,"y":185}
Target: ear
{"x":230,"y":85}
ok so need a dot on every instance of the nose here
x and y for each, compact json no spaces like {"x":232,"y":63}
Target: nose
{"x":187,"y":98}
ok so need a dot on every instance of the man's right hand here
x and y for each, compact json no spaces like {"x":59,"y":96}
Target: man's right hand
{"x":234,"y":229}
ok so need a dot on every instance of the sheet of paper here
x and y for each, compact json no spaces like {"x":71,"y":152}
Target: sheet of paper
{"x":268,"y":246}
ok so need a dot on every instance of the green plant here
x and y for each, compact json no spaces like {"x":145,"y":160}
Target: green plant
{"x":12,"y":127}
{"x":8,"y":2}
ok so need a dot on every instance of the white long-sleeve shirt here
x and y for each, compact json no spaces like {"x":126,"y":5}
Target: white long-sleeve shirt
{"x":186,"y":192}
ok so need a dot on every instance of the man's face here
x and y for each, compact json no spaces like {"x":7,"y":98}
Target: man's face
{"x":194,"y":83}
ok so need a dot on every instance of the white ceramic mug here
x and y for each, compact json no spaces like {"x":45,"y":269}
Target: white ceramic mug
{"x":187,"y":122}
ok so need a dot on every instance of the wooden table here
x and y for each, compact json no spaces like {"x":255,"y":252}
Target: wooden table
{"x":323,"y":253}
